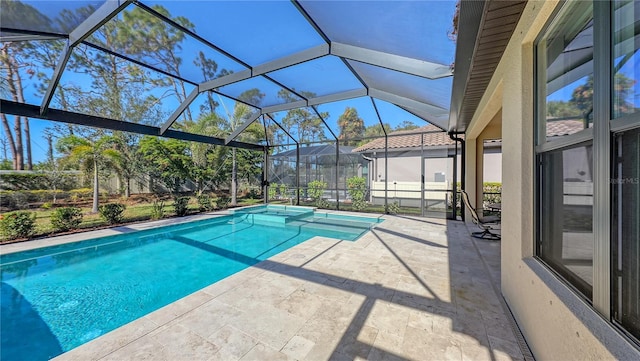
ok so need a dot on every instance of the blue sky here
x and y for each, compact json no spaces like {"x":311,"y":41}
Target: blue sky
{"x":257,"y":32}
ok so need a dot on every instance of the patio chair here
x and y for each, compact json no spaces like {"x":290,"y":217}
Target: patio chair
{"x":487,"y":224}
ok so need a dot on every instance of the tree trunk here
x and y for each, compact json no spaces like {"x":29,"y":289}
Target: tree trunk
{"x":50,"y":148}
{"x":17,"y":129}
{"x":27,"y":135}
{"x":10,"y":79}
{"x":7,"y":131}
{"x":96,"y":192}
{"x":234,"y":178}
{"x":127,"y":190}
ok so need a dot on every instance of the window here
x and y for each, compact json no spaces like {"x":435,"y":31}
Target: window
{"x":565,"y":174}
{"x":571,"y":193}
{"x":565,"y":68}
{"x":626,"y":61}
{"x":626,"y":232}
{"x":566,"y":214}
{"x":625,"y":184}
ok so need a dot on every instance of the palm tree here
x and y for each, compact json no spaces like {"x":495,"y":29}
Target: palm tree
{"x":90,"y":155}
{"x":208,"y":124}
{"x":240,"y":113}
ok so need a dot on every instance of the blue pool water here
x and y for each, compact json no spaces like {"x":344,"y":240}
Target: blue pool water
{"x":57,"y":298}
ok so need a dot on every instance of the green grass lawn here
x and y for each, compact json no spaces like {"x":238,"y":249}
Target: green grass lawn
{"x":133,"y":213}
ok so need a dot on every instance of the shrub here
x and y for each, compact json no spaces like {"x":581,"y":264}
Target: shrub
{"x":46,"y":205}
{"x":254,"y":193}
{"x":20,"y":224}
{"x":322,"y":203}
{"x":22,"y":181}
{"x":392,"y":208}
{"x":66,"y":218}
{"x":157,"y":209}
{"x":112,"y":212}
{"x":492,"y":192}
{"x":180,"y":205}
{"x":20,"y":200}
{"x":357,"y":186}
{"x":316,"y":191}
{"x":283,"y":190}
{"x":205,"y":203}
{"x":80,"y":194}
{"x":223,"y":201}
{"x":273,"y":189}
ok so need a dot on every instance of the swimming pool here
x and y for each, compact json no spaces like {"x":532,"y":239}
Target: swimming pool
{"x":57,"y":298}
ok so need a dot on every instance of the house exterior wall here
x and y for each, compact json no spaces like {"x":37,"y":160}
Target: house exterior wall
{"x":492,"y":167}
{"x":556,"y":322}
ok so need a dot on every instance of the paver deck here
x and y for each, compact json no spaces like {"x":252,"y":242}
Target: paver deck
{"x":412,"y":288}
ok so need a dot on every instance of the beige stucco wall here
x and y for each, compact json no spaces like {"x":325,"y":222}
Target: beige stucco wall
{"x":556,"y":323}
{"x":492,"y":167}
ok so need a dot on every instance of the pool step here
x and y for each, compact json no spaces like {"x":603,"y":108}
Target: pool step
{"x":274,"y":218}
{"x":332,"y":224}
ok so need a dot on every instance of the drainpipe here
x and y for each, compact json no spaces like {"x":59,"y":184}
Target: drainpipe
{"x":455,"y":169}
{"x":265,"y":176}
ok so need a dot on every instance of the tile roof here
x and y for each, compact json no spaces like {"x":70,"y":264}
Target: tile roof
{"x":410,"y":139}
{"x":564,"y":127}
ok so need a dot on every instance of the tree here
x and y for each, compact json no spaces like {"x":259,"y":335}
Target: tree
{"x":205,"y":161}
{"x":15,"y":64}
{"x":129,"y":162}
{"x":308,"y":126}
{"x":90,"y":154}
{"x":209,"y":68}
{"x":167,"y":161}
{"x":241,"y":112}
{"x":351,"y":127}
{"x":374,"y":131}
{"x":562,"y":109}
{"x":10,"y":65}
{"x":582,"y":97}
{"x":622,"y":86}
{"x":406,"y":125}
{"x":149,"y":37}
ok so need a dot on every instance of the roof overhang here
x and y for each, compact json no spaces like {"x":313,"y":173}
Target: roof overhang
{"x":484,"y":32}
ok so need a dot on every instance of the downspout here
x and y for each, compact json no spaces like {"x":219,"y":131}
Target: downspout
{"x":265,"y":170}
{"x":462,"y":167}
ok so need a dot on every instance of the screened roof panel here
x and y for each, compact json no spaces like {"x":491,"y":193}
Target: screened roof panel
{"x":322,"y":76}
{"x":126,"y":92}
{"x":259,"y":92}
{"x":215,"y":115}
{"x":397,"y":118}
{"x":205,"y":104}
{"x":261,"y":122}
{"x":46,"y":16}
{"x":273,"y":32}
{"x":303,"y":124}
{"x":415,"y":29}
{"x":436,"y":92}
{"x":163,"y":46}
{"x":352,"y":119}
{"x":275,"y":134}
{"x":37,"y":61}
{"x":254,"y":31}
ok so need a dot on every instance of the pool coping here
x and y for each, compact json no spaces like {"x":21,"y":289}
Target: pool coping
{"x":104,"y":232}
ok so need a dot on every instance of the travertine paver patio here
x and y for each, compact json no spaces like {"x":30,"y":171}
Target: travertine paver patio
{"x":412,"y":288}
